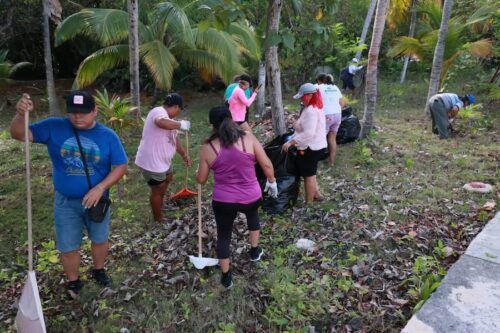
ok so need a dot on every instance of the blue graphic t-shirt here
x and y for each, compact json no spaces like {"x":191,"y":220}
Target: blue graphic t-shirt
{"x":101,"y":146}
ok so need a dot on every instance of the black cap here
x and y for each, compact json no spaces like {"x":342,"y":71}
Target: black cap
{"x":217,"y":114}
{"x":246,"y":78}
{"x":174,"y":99}
{"x":80,"y":101}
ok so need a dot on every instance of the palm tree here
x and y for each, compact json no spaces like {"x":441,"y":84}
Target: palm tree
{"x":50,"y":9}
{"x":457,"y":41}
{"x":166,"y":37}
{"x":133,"y":40}
{"x":439,"y":51}
{"x":366,"y":25}
{"x":372,"y":67}
{"x":273,"y":68}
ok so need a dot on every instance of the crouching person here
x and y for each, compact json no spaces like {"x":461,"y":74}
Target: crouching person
{"x":79,"y":181}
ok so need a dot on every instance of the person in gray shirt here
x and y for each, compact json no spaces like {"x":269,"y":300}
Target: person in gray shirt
{"x":444,"y":107}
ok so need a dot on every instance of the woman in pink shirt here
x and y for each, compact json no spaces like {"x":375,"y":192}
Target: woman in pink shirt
{"x":238,"y":102}
{"x":309,"y":138}
{"x":231,"y":154}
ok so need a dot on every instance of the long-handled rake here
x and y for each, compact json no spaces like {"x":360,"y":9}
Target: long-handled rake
{"x":200,"y":262}
{"x":185,"y":192}
{"x":29,"y":318}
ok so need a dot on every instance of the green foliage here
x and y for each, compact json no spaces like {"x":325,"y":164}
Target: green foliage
{"x":426,"y":277}
{"x":363,"y":153}
{"x":116,"y":112}
{"x":457,"y":43}
{"x":7,"y":68}
{"x":48,"y":257}
{"x":226,"y":328}
{"x":167,"y":38}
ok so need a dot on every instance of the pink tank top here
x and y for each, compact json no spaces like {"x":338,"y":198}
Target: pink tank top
{"x":235,"y":180}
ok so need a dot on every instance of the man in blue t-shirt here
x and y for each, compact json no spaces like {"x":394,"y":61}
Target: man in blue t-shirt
{"x":106,"y":164}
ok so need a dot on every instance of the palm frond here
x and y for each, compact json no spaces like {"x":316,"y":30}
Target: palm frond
{"x":73,"y":25}
{"x":172,"y":17}
{"x":247,"y":39}
{"x":222,"y":45}
{"x":430,"y":13}
{"x":209,"y":63}
{"x":407,"y":46}
{"x":17,"y":66}
{"x":398,"y":12}
{"x":160,"y":62}
{"x":107,"y":26}
{"x":3,"y":55}
{"x":99,"y":62}
{"x":482,"y":48}
{"x":483,"y":13}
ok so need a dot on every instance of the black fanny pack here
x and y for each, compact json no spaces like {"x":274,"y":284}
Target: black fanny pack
{"x":98,"y":212}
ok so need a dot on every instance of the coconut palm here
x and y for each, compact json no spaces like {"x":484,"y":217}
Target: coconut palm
{"x":372,"y":67}
{"x":456,"y":42}
{"x":165,"y":39}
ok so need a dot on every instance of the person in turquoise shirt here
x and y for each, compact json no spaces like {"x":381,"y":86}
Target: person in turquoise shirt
{"x":230,"y":89}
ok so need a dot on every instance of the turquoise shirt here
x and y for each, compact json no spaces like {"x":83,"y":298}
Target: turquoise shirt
{"x":230,"y":89}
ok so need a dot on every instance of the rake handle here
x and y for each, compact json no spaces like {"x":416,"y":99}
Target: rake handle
{"x":187,"y":155}
{"x":199,"y":221}
{"x":28,"y":189}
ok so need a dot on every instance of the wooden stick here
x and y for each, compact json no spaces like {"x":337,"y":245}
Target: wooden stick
{"x":28,"y":189}
{"x":199,"y":221}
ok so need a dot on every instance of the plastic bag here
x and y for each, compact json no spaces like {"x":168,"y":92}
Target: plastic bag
{"x":285,"y":173}
{"x":349,"y":129}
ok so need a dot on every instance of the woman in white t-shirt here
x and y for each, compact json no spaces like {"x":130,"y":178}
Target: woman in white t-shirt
{"x":333,"y":102}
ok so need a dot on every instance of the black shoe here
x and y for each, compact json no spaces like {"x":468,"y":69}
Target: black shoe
{"x":256,"y":253}
{"x":74,"y":288}
{"x":101,"y":277}
{"x":226,"y":280}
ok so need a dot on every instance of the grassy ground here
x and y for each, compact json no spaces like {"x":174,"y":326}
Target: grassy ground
{"x":395,"y":220}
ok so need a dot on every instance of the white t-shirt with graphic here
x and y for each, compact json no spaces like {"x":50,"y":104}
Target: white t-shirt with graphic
{"x":331,"y":95}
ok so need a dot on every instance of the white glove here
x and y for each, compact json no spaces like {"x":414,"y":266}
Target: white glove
{"x":185,"y":125}
{"x":271,"y":189}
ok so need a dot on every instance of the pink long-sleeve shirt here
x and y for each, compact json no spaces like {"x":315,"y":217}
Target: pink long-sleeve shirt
{"x":310,"y":129}
{"x":238,"y":103}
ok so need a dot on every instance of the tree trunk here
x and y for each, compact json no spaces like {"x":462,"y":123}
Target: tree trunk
{"x":411,"y":33}
{"x":49,"y":72}
{"x":273,"y":69}
{"x":368,"y":21}
{"x":260,"y":105}
{"x":133,"y":39}
{"x":437,"y":61}
{"x":372,"y":67}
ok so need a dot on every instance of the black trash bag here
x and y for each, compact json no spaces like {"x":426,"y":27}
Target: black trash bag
{"x":285,"y":173}
{"x":349,"y":129}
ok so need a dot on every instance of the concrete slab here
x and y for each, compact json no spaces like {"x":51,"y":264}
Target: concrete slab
{"x":486,"y":245}
{"x":468,"y":301}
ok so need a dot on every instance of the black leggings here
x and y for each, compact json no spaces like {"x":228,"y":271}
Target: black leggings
{"x":225,"y":213}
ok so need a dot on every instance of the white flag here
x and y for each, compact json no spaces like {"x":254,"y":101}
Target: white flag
{"x":29,"y":317}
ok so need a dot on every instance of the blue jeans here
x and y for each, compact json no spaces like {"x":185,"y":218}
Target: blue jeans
{"x":70,"y":218}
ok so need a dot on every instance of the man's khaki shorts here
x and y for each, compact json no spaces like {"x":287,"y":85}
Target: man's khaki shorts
{"x":155,"y":178}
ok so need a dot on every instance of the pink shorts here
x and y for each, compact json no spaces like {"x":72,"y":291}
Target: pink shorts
{"x":332,"y":122}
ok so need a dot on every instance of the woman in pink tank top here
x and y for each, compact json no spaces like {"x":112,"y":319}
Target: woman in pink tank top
{"x":231,"y":154}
